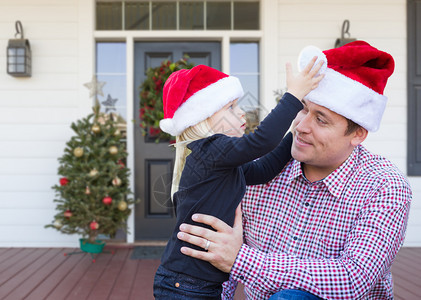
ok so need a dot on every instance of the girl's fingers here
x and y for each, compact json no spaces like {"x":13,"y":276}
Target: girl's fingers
{"x":316,"y":68}
{"x":310,"y":65}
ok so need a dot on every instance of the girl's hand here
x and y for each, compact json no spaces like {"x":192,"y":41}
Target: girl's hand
{"x":305,"y":81}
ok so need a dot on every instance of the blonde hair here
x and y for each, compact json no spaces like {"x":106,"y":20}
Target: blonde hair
{"x":193,"y":133}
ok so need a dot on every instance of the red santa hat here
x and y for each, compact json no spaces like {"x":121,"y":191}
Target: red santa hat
{"x":355,"y":77}
{"x":193,"y":95}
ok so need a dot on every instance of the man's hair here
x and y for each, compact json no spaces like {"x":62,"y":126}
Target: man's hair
{"x":352,"y":127}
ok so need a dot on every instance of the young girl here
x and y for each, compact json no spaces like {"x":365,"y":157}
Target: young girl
{"x":216,"y":162}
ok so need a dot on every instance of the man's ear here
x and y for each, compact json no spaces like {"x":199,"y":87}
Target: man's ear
{"x":359,"y":136}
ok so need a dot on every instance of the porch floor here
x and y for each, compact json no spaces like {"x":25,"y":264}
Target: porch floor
{"x":45,"y":273}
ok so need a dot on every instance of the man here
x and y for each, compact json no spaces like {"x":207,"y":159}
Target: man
{"x":330,"y":225}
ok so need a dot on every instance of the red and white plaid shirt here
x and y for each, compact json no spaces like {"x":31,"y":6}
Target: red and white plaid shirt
{"x":335,"y":238}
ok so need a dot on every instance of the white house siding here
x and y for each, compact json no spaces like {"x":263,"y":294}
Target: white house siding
{"x":36,"y":112}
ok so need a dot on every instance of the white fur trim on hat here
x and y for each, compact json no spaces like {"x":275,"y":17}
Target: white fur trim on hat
{"x":343,"y":95}
{"x":350,"y":99}
{"x":203,"y":104}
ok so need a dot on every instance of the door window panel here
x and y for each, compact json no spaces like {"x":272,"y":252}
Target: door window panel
{"x":177,"y":15}
{"x":109,"y":15}
{"x":218,"y":15}
{"x":191,"y":15}
{"x":164,"y":15}
{"x":246,"y":15}
{"x":136,"y":15}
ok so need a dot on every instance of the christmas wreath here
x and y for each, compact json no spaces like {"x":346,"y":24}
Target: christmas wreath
{"x":151,"y":107}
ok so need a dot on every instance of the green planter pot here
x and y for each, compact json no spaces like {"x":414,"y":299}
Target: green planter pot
{"x":91,"y":248}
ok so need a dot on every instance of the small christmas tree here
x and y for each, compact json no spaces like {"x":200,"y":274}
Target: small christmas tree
{"x":92,"y":197}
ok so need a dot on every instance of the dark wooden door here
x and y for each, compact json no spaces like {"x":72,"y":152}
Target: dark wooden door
{"x":154,"y":216}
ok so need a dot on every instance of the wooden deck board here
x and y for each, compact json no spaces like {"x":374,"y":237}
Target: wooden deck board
{"x":45,"y":273}
{"x":72,"y":278}
{"x":106,"y":282}
{"x":125,"y":280}
{"x":23,"y":283}
{"x":49,"y":283}
{"x":90,"y":278}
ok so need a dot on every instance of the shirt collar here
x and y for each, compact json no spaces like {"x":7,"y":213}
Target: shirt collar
{"x":335,"y":181}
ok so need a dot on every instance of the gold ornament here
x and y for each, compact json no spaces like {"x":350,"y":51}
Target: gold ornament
{"x":93,"y":172}
{"x":122,"y":205}
{"x":78,"y":152}
{"x":116,"y":181}
{"x":96,"y":129}
{"x":117,"y":132}
{"x":88,"y":190}
{"x":113,"y":150}
{"x":58,"y":224}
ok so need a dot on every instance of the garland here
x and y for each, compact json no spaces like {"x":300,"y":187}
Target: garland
{"x":151,"y":107}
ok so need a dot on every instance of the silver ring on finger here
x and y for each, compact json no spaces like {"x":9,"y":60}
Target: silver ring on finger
{"x":207,"y":245}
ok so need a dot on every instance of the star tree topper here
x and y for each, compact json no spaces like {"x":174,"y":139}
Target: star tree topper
{"x":109,"y":103}
{"x":95,"y":87}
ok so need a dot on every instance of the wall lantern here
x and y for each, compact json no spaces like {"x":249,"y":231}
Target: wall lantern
{"x":344,"y":40}
{"x":19,"y":55}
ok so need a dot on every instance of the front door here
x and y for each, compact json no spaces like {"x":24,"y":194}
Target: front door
{"x":154,"y":215}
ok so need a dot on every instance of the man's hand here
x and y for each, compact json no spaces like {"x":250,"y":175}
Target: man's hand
{"x":223,"y":245}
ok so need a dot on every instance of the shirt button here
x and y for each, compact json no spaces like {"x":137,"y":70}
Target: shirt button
{"x":295,"y":238}
{"x":242,"y":277}
{"x":306,"y":204}
{"x":177,"y":284}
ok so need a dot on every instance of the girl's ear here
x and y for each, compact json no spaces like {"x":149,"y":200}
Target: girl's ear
{"x":359,"y":136}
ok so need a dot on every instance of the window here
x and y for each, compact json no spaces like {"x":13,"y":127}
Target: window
{"x":177,"y":15}
{"x":111,"y":69}
{"x":414,"y":87}
{"x":244,"y":64}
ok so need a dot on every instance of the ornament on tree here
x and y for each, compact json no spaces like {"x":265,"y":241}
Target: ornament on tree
{"x":64,"y":181}
{"x":107,"y":200}
{"x":96,"y":129}
{"x":116,"y":181}
{"x":93,"y":172}
{"x":122,"y":165}
{"x":94,"y":225}
{"x":113,"y":150}
{"x":67,"y":214}
{"x":78,"y":152}
{"x":122,"y":205}
{"x":117,"y":132}
{"x":87,"y":190}
{"x":57,"y":224}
